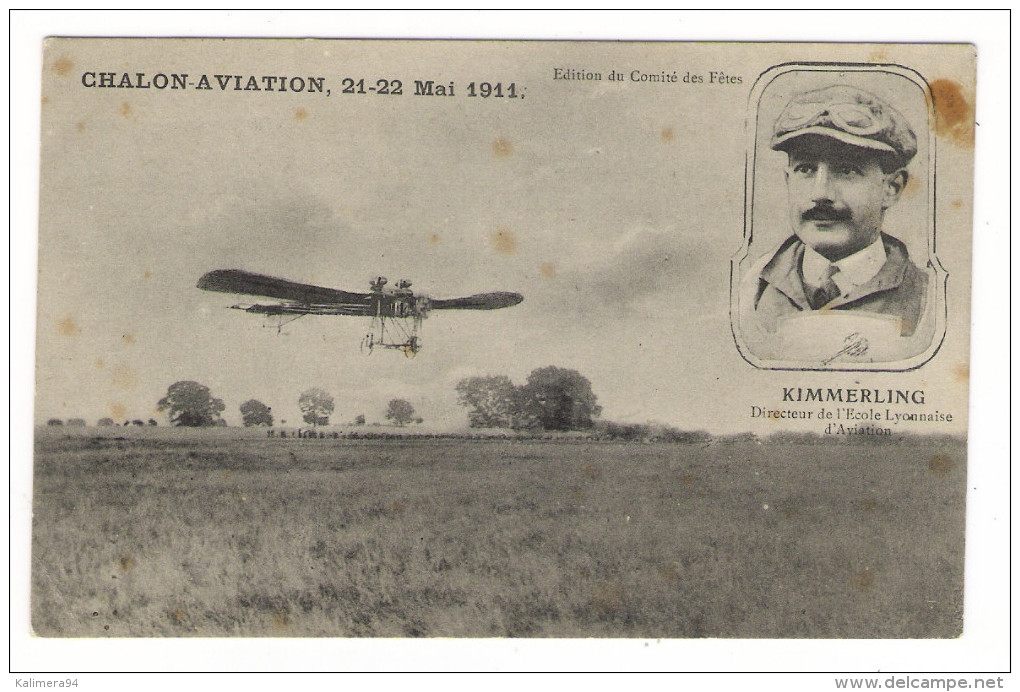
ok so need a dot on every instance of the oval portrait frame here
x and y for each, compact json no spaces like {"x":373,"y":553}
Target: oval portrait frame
{"x":760,"y":191}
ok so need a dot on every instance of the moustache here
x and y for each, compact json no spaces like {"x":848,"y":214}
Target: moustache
{"x":826,"y":213}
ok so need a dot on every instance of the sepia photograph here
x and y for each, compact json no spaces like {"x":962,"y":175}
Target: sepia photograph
{"x":395,"y":340}
{"x":843,"y":291}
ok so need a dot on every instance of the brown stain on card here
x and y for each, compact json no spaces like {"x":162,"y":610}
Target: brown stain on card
{"x":502,"y":148}
{"x":434,"y":239}
{"x":100,"y":363}
{"x":127,"y":563}
{"x":63,"y":66}
{"x":667,"y":135}
{"x":954,"y":114}
{"x":961,"y":372}
{"x":117,"y":411}
{"x":940,"y":464}
{"x":864,"y":579}
{"x":956,"y":204}
{"x":609,"y":599}
{"x":147,"y":274}
{"x":68,"y":327}
{"x":125,"y":110}
{"x":670,"y":572}
{"x":790,"y":512}
{"x":128,"y":339}
{"x":911,"y":188}
{"x":503,"y":241}
{"x":300,"y":114}
{"x":547,"y":269}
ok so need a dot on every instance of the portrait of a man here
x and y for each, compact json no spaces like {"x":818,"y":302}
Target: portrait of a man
{"x":839,"y":289}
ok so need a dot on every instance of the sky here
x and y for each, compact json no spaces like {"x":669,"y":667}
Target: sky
{"x":613,"y":207}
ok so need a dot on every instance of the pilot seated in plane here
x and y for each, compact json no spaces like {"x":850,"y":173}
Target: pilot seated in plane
{"x":847,"y":157}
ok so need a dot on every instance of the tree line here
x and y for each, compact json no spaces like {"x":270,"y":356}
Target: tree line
{"x":552,"y":398}
{"x":192,"y":404}
{"x":102,"y":422}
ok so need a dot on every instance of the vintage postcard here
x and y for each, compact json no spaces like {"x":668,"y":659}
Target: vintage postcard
{"x":502,"y":339}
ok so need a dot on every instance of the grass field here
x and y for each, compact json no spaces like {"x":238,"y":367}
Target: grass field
{"x":225,"y":533}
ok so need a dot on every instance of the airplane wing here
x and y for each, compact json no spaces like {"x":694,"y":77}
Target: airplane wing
{"x":481,"y":301}
{"x":345,"y":309}
{"x":248,"y":283}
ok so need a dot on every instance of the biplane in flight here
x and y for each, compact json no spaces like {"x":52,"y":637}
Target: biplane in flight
{"x":396,"y":313}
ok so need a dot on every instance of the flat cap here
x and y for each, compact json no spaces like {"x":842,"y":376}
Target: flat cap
{"x":849,"y":115}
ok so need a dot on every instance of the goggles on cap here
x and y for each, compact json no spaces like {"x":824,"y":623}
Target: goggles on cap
{"x":852,"y":118}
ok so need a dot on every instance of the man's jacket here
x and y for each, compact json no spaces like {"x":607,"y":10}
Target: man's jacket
{"x":899,"y":288}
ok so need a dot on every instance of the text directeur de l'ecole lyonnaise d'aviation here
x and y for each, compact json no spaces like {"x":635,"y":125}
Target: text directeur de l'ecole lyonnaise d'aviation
{"x":396,"y":313}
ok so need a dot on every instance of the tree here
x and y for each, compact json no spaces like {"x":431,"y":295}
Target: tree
{"x":400,"y":412}
{"x":191,"y":405}
{"x":254,"y":412}
{"x":316,"y":405}
{"x":493,"y":401}
{"x":105,"y":422}
{"x":360,"y":420}
{"x":76,"y":422}
{"x":559,"y":399}
{"x":54,"y":421}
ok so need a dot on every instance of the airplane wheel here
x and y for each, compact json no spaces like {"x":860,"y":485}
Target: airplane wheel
{"x":412,"y":347}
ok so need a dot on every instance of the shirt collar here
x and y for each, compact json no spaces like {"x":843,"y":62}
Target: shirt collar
{"x":855,"y":270}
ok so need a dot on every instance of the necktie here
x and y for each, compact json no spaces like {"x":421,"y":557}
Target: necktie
{"x":826,"y":292}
